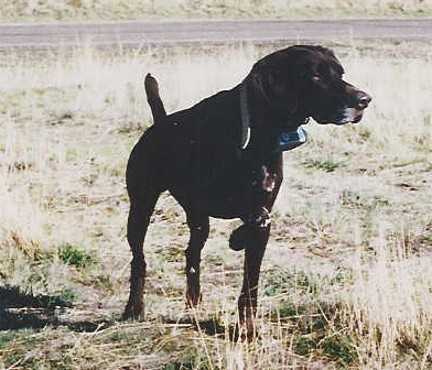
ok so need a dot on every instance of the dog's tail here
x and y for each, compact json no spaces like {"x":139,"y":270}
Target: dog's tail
{"x":154,"y":99}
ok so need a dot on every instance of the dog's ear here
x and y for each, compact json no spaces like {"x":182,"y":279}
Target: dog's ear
{"x":275,"y":87}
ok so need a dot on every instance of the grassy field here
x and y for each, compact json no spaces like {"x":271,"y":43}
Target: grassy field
{"x":347,"y":277}
{"x":48,"y":10}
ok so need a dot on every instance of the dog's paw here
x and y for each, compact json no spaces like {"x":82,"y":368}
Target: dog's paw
{"x":193,"y":299}
{"x":133,"y":313}
{"x":239,"y":238}
{"x":245,"y":332}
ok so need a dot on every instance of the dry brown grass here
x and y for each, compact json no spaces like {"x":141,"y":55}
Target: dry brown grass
{"x":47,"y":10}
{"x":347,"y":277}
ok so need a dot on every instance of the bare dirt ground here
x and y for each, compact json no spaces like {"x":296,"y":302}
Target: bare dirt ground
{"x":347,"y":276}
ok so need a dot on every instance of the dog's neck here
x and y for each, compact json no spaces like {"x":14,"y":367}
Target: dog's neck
{"x":257,"y":114}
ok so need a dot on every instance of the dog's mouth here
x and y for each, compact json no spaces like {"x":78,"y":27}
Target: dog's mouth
{"x":358,"y":118}
{"x":343,"y":117}
{"x":350,"y":115}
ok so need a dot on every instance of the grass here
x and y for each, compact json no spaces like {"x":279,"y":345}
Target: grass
{"x":346,"y":279}
{"x":103,"y":10}
{"x":75,"y":256}
{"x":326,"y":165}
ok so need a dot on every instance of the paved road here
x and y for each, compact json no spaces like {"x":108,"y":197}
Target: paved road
{"x":144,"y":33}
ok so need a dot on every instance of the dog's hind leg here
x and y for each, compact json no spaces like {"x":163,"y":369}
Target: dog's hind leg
{"x":141,"y":209}
{"x":199,"y":231}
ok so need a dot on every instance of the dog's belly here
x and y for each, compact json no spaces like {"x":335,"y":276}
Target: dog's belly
{"x":220,"y":200}
{"x":230,"y":201}
{"x":227,"y":207}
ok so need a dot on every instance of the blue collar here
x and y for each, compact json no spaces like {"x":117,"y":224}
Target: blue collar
{"x":292,"y":139}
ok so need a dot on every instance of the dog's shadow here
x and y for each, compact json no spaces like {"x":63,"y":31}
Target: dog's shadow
{"x":211,"y":327}
{"x":20,"y":310}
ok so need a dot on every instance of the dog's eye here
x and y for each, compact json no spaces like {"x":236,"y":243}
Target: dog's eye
{"x":316,"y":78}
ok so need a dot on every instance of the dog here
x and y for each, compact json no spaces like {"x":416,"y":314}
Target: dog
{"x":221,"y":158}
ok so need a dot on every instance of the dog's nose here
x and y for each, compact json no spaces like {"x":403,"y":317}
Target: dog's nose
{"x":363,"y":100}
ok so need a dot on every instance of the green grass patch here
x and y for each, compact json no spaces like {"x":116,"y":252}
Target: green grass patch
{"x":279,"y":281}
{"x":66,"y":295}
{"x":14,"y":345}
{"x":75,"y":256}
{"x":314,"y":325}
{"x":191,"y":363}
{"x":327,"y":165}
{"x":304,"y":345}
{"x":179,"y":366}
{"x":339,"y":347}
{"x":351,"y":199}
{"x":6,"y":337}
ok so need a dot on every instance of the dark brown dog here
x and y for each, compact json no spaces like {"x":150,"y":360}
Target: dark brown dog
{"x":221,"y":159}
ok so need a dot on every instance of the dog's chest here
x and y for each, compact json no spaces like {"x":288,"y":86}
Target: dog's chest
{"x":235,"y":196}
{"x":207,"y":166}
{"x":227,"y":192}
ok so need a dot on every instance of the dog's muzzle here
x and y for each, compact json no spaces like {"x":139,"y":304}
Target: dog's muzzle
{"x":354,"y":114}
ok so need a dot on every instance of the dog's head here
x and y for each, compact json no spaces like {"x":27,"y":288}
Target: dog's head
{"x":307,"y":81}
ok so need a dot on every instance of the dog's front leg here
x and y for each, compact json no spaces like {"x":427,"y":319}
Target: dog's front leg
{"x":254,"y":235}
{"x":254,"y":253}
{"x":265,"y":184}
